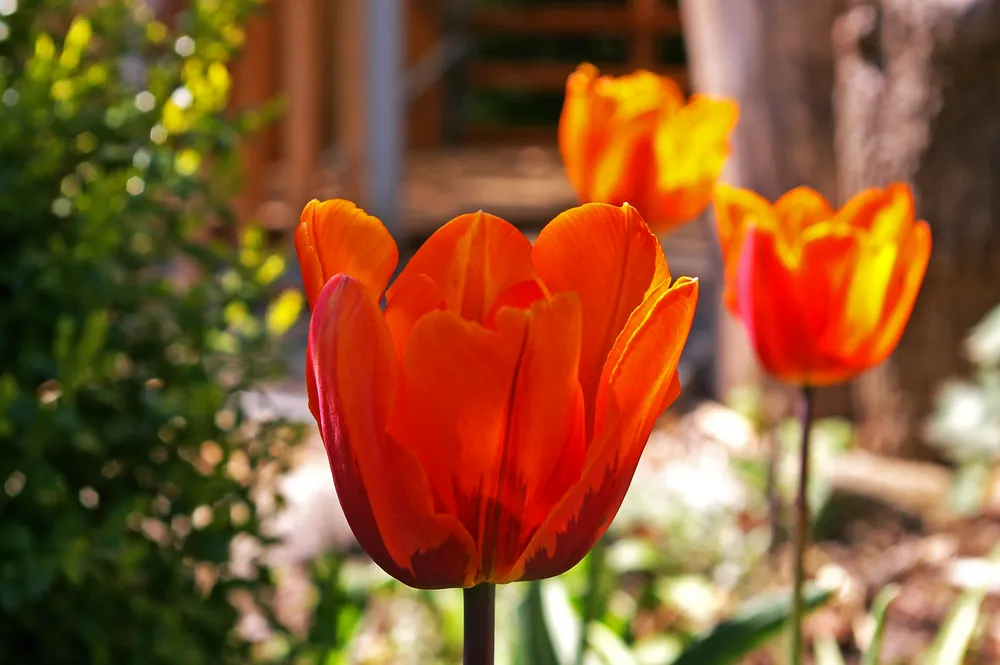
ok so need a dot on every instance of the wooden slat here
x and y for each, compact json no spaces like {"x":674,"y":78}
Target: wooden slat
{"x":349,"y":95}
{"x":644,"y":41}
{"x":548,"y":76}
{"x":301,"y":24}
{"x":573,"y":20}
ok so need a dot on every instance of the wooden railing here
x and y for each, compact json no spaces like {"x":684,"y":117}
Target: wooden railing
{"x":310,"y":52}
{"x":641,"y":23}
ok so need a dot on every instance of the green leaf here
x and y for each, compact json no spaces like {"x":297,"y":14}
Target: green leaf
{"x":826,"y":651}
{"x":549,"y":628}
{"x":755,"y":622}
{"x":953,"y":640}
{"x":607,"y":646}
{"x":880,"y":611}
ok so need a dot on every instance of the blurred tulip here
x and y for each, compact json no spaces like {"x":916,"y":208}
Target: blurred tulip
{"x":823,"y":294}
{"x":633,"y":139}
{"x":485,"y":425}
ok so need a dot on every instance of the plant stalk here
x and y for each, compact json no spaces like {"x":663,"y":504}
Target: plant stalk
{"x":479,"y":617}
{"x":802,"y":529}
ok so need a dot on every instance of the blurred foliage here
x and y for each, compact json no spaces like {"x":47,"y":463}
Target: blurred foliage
{"x":129,"y":325}
{"x":965,"y":427}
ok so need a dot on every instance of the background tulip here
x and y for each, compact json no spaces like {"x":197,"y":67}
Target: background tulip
{"x":824,"y":295}
{"x":633,"y":139}
{"x":485,"y":426}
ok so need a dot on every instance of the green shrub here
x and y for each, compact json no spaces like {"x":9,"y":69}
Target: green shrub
{"x":125,"y":458}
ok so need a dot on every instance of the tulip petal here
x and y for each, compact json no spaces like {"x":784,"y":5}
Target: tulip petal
{"x":625,"y":169}
{"x":827,"y":271}
{"x":410,"y":300}
{"x":735,"y":211}
{"x":473,"y":258}
{"x":496,"y":417}
{"x":885,"y":213}
{"x":382,"y":489}
{"x":546,"y":431}
{"x":908,"y":275}
{"x":607,"y":256}
{"x":641,"y":378}
{"x":800,"y":208}
{"x":582,"y":127}
{"x":690,"y":151}
{"x":772,"y":306}
{"x":336,"y":237}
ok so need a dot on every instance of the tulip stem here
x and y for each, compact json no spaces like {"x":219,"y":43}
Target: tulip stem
{"x":480,"y":612}
{"x":802,"y":529}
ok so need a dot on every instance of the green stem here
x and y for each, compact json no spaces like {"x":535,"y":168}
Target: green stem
{"x":802,"y":528}
{"x":480,"y":612}
{"x":592,"y":599}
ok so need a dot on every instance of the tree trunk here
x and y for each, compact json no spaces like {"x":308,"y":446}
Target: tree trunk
{"x":917,"y":97}
{"x":775,"y":58}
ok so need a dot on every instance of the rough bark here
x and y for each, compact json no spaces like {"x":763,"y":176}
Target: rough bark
{"x":775,"y":58}
{"x":917,"y":97}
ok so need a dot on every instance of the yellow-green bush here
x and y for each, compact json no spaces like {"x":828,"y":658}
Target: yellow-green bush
{"x":125,"y":458}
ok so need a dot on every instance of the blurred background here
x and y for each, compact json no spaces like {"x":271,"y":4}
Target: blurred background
{"x":166,"y":498}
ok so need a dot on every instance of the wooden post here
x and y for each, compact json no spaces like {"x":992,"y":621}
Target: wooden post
{"x":301,"y":21}
{"x":916,"y":96}
{"x":384,"y":36}
{"x":774,"y":57}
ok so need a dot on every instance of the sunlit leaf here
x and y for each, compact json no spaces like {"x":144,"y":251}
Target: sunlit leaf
{"x":283,"y":312}
{"x":826,"y":651}
{"x":953,"y":641}
{"x":880,"y":612}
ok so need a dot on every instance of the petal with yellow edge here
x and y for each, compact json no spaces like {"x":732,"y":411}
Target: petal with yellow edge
{"x":638,"y":382}
{"x":608,"y":257}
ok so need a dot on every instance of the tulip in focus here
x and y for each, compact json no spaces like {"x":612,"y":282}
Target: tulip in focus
{"x":823,"y":294}
{"x":633,"y":139}
{"x":485,"y":424}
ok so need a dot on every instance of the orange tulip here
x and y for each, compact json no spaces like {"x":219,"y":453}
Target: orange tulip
{"x":823,"y":294}
{"x":633,"y":139}
{"x":485,"y":425}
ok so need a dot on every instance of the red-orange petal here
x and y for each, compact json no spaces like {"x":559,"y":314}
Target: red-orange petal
{"x":382,"y":489}
{"x":607,"y":256}
{"x":625,"y":169}
{"x":776,"y":312}
{"x":582,"y":127}
{"x":496,"y":417}
{"x":411,"y":299}
{"x":545,"y":443}
{"x":473,"y":258}
{"x":641,"y":380}
{"x":336,"y":237}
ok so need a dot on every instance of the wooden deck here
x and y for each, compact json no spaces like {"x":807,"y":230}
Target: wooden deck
{"x":527,"y":186}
